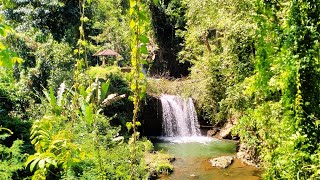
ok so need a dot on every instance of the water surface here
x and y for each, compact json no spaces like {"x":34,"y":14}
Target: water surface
{"x":192,"y":160}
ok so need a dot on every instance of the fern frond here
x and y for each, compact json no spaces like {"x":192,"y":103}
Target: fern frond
{"x":6,"y":129}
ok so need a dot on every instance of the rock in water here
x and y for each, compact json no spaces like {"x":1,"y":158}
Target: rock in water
{"x":193,"y":176}
{"x":212,"y":132}
{"x":222,"y":162}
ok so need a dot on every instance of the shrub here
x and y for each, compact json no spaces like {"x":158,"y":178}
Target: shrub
{"x":12,"y":158}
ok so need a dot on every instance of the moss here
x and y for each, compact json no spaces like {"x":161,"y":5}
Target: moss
{"x":184,"y":87}
{"x":103,"y":72}
{"x":148,"y":146}
{"x":158,"y":163}
{"x":164,"y":168}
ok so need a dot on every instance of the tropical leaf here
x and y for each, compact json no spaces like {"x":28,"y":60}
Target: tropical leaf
{"x":34,"y":163}
{"x":50,"y":97}
{"x":104,"y":89}
{"x":87,"y":111}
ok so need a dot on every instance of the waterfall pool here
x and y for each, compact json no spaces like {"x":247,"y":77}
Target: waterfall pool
{"x":182,"y":139}
{"x":192,"y":159}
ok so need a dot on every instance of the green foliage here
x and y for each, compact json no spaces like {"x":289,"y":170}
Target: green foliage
{"x":103,"y":72}
{"x":57,"y":17}
{"x":47,"y":62}
{"x":164,"y":168}
{"x":253,"y":61}
{"x":218,"y":42}
{"x":158,"y":163}
{"x":120,"y":110}
{"x":110,"y":21}
{"x":11,"y":148}
{"x":71,"y":135}
{"x":7,"y":57}
{"x":139,"y":22}
{"x":11,"y":158}
{"x":258,"y":60}
{"x":63,"y":137}
{"x":183,"y":87}
{"x":283,"y":119}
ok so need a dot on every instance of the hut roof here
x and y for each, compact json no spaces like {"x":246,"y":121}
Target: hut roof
{"x":106,"y":52}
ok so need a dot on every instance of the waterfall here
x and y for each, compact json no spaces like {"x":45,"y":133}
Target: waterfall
{"x":179,"y":118}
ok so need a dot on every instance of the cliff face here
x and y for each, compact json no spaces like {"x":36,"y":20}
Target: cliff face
{"x":151,"y":117}
{"x":168,"y":43}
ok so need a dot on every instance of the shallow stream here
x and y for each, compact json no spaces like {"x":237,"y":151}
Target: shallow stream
{"x":193,"y":155}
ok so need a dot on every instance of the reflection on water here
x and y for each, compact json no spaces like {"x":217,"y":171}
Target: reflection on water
{"x":192,"y":161}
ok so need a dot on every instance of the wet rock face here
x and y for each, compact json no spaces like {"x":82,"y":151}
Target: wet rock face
{"x":222,"y":162}
{"x":151,"y":117}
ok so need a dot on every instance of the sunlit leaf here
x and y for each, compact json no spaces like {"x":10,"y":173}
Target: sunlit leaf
{"x":129,"y":125}
{"x":143,"y":49}
{"x":88,"y":114}
{"x":2,"y":47}
{"x":41,"y":163}
{"x":143,"y":61}
{"x":34,"y":163}
{"x":132,"y":24}
{"x":144,"y":39}
{"x":2,"y":32}
{"x":142,"y":15}
{"x":156,"y":2}
{"x":16,"y":60}
{"x":30,"y":159}
{"x":104,"y":89}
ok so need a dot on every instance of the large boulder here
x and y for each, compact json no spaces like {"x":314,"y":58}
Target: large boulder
{"x":222,"y":162}
{"x":225,"y":131}
{"x":212,"y":132}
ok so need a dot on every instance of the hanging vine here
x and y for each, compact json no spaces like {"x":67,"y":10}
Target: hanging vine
{"x":285,"y":88}
{"x":139,"y":28}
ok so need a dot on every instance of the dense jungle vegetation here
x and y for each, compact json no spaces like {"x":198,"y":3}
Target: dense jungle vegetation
{"x":63,"y":115}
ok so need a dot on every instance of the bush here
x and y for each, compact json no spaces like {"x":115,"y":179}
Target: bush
{"x":12,"y":158}
{"x":121,"y":110}
{"x":103,"y":72}
{"x":74,"y":140}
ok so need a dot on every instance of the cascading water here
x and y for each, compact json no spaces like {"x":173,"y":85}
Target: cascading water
{"x":179,"y":121}
{"x":179,"y":117}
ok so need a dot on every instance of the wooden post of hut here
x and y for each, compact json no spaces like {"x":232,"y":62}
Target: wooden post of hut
{"x":105,"y":53}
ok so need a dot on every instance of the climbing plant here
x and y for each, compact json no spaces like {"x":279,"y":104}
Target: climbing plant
{"x":139,"y":22}
{"x":284,"y":119}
